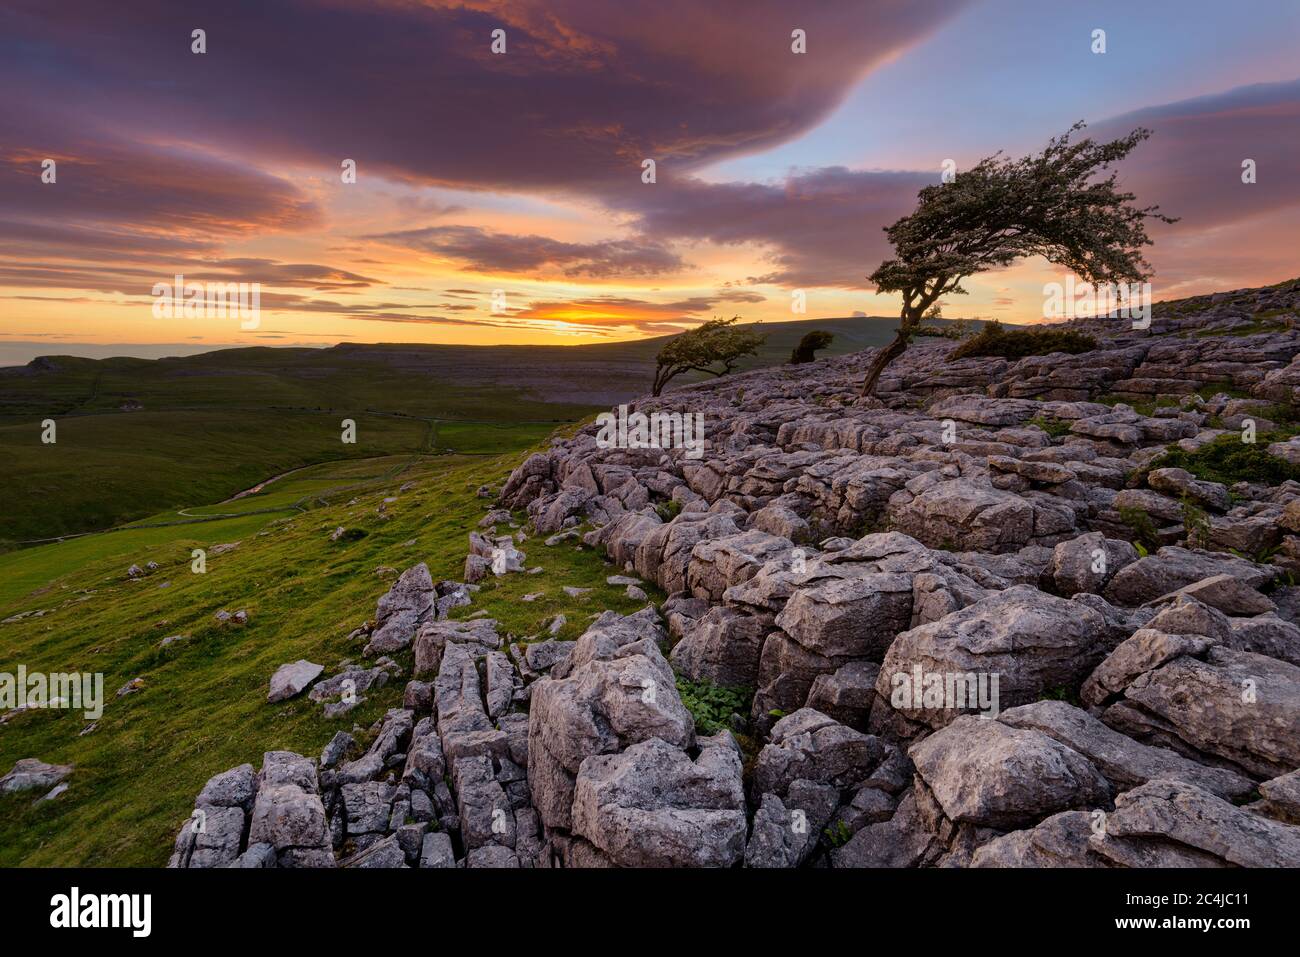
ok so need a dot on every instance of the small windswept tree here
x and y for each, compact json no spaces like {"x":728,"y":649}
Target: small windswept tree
{"x":1001,"y":210}
{"x":809,"y":345}
{"x":716,"y":342}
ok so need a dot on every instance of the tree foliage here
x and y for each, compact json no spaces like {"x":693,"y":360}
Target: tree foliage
{"x":810,"y":344}
{"x":1052,"y":204}
{"x":716,"y":342}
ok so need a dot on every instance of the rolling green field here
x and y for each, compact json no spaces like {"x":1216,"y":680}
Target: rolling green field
{"x":202,"y":707}
{"x":205,"y":428}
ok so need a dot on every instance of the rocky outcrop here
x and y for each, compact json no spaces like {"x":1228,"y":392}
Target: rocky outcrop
{"x":1033,"y":643}
{"x":413,"y":600}
{"x":985,"y":622}
{"x":1160,"y":824}
{"x":615,"y":690}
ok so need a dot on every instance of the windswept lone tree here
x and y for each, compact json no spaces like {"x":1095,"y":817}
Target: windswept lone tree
{"x":1050,"y":205}
{"x":718,"y":341}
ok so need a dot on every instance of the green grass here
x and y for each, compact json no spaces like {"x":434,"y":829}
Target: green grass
{"x":1263,"y":322}
{"x":1228,"y":460}
{"x":34,"y":572}
{"x":1053,"y":427}
{"x":107,"y":469}
{"x":1145,"y":407}
{"x":215,"y":424}
{"x":1281,"y":413}
{"x":997,"y":340}
{"x":203,"y":706}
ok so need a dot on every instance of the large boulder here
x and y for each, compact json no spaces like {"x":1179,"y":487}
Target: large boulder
{"x":986,"y":773}
{"x":617,"y":690}
{"x":479,"y":635}
{"x":723,"y":646}
{"x":1280,"y":798}
{"x":1224,"y":593}
{"x":288,"y":813}
{"x":217,"y":835}
{"x":718,"y":563}
{"x":664,"y":554}
{"x":967,"y":513}
{"x":1089,"y":562}
{"x":234,"y":788}
{"x":1180,"y":482}
{"x":1124,"y":762}
{"x":809,"y":746}
{"x":399,"y":613}
{"x":1265,"y":634}
{"x":845,"y":618}
{"x":1171,"y":568}
{"x":1183,"y":816}
{"x":652,"y":806}
{"x":847,"y":694}
{"x":1143,"y":651}
{"x":1232,"y":708}
{"x":528,"y":481}
{"x":780,"y":837}
{"x":292,"y":679}
{"x":1067,"y":839}
{"x":786,"y":673}
{"x":1020,"y":643}
{"x":33,"y":774}
{"x":554,"y":512}
{"x":463,"y":722}
{"x":902,"y":841}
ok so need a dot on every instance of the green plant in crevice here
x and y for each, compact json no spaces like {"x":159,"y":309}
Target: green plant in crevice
{"x":1145,"y":538}
{"x":712,"y":705}
{"x":1196,"y":523}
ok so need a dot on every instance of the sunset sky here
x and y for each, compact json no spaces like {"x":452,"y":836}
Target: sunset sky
{"x":522,"y":171}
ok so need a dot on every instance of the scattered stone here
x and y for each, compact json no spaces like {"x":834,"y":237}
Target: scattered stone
{"x":32,"y":774}
{"x":292,"y":679}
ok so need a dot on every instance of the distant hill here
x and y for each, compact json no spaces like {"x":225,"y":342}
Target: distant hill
{"x":586,"y":375}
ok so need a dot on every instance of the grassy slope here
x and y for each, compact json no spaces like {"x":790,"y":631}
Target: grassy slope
{"x":105,"y":469}
{"x":215,"y":424}
{"x":203,"y":706}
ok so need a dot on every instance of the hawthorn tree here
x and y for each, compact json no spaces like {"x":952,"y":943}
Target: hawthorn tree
{"x":718,"y":341}
{"x":809,"y":345}
{"x":1051,"y":204}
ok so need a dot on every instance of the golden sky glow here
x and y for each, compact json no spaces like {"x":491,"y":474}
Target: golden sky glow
{"x":499,"y":199}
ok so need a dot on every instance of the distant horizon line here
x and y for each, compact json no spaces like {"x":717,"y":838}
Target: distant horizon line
{"x":38,"y":349}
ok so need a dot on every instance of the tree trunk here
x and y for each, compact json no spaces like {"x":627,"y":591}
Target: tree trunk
{"x":891,"y":352}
